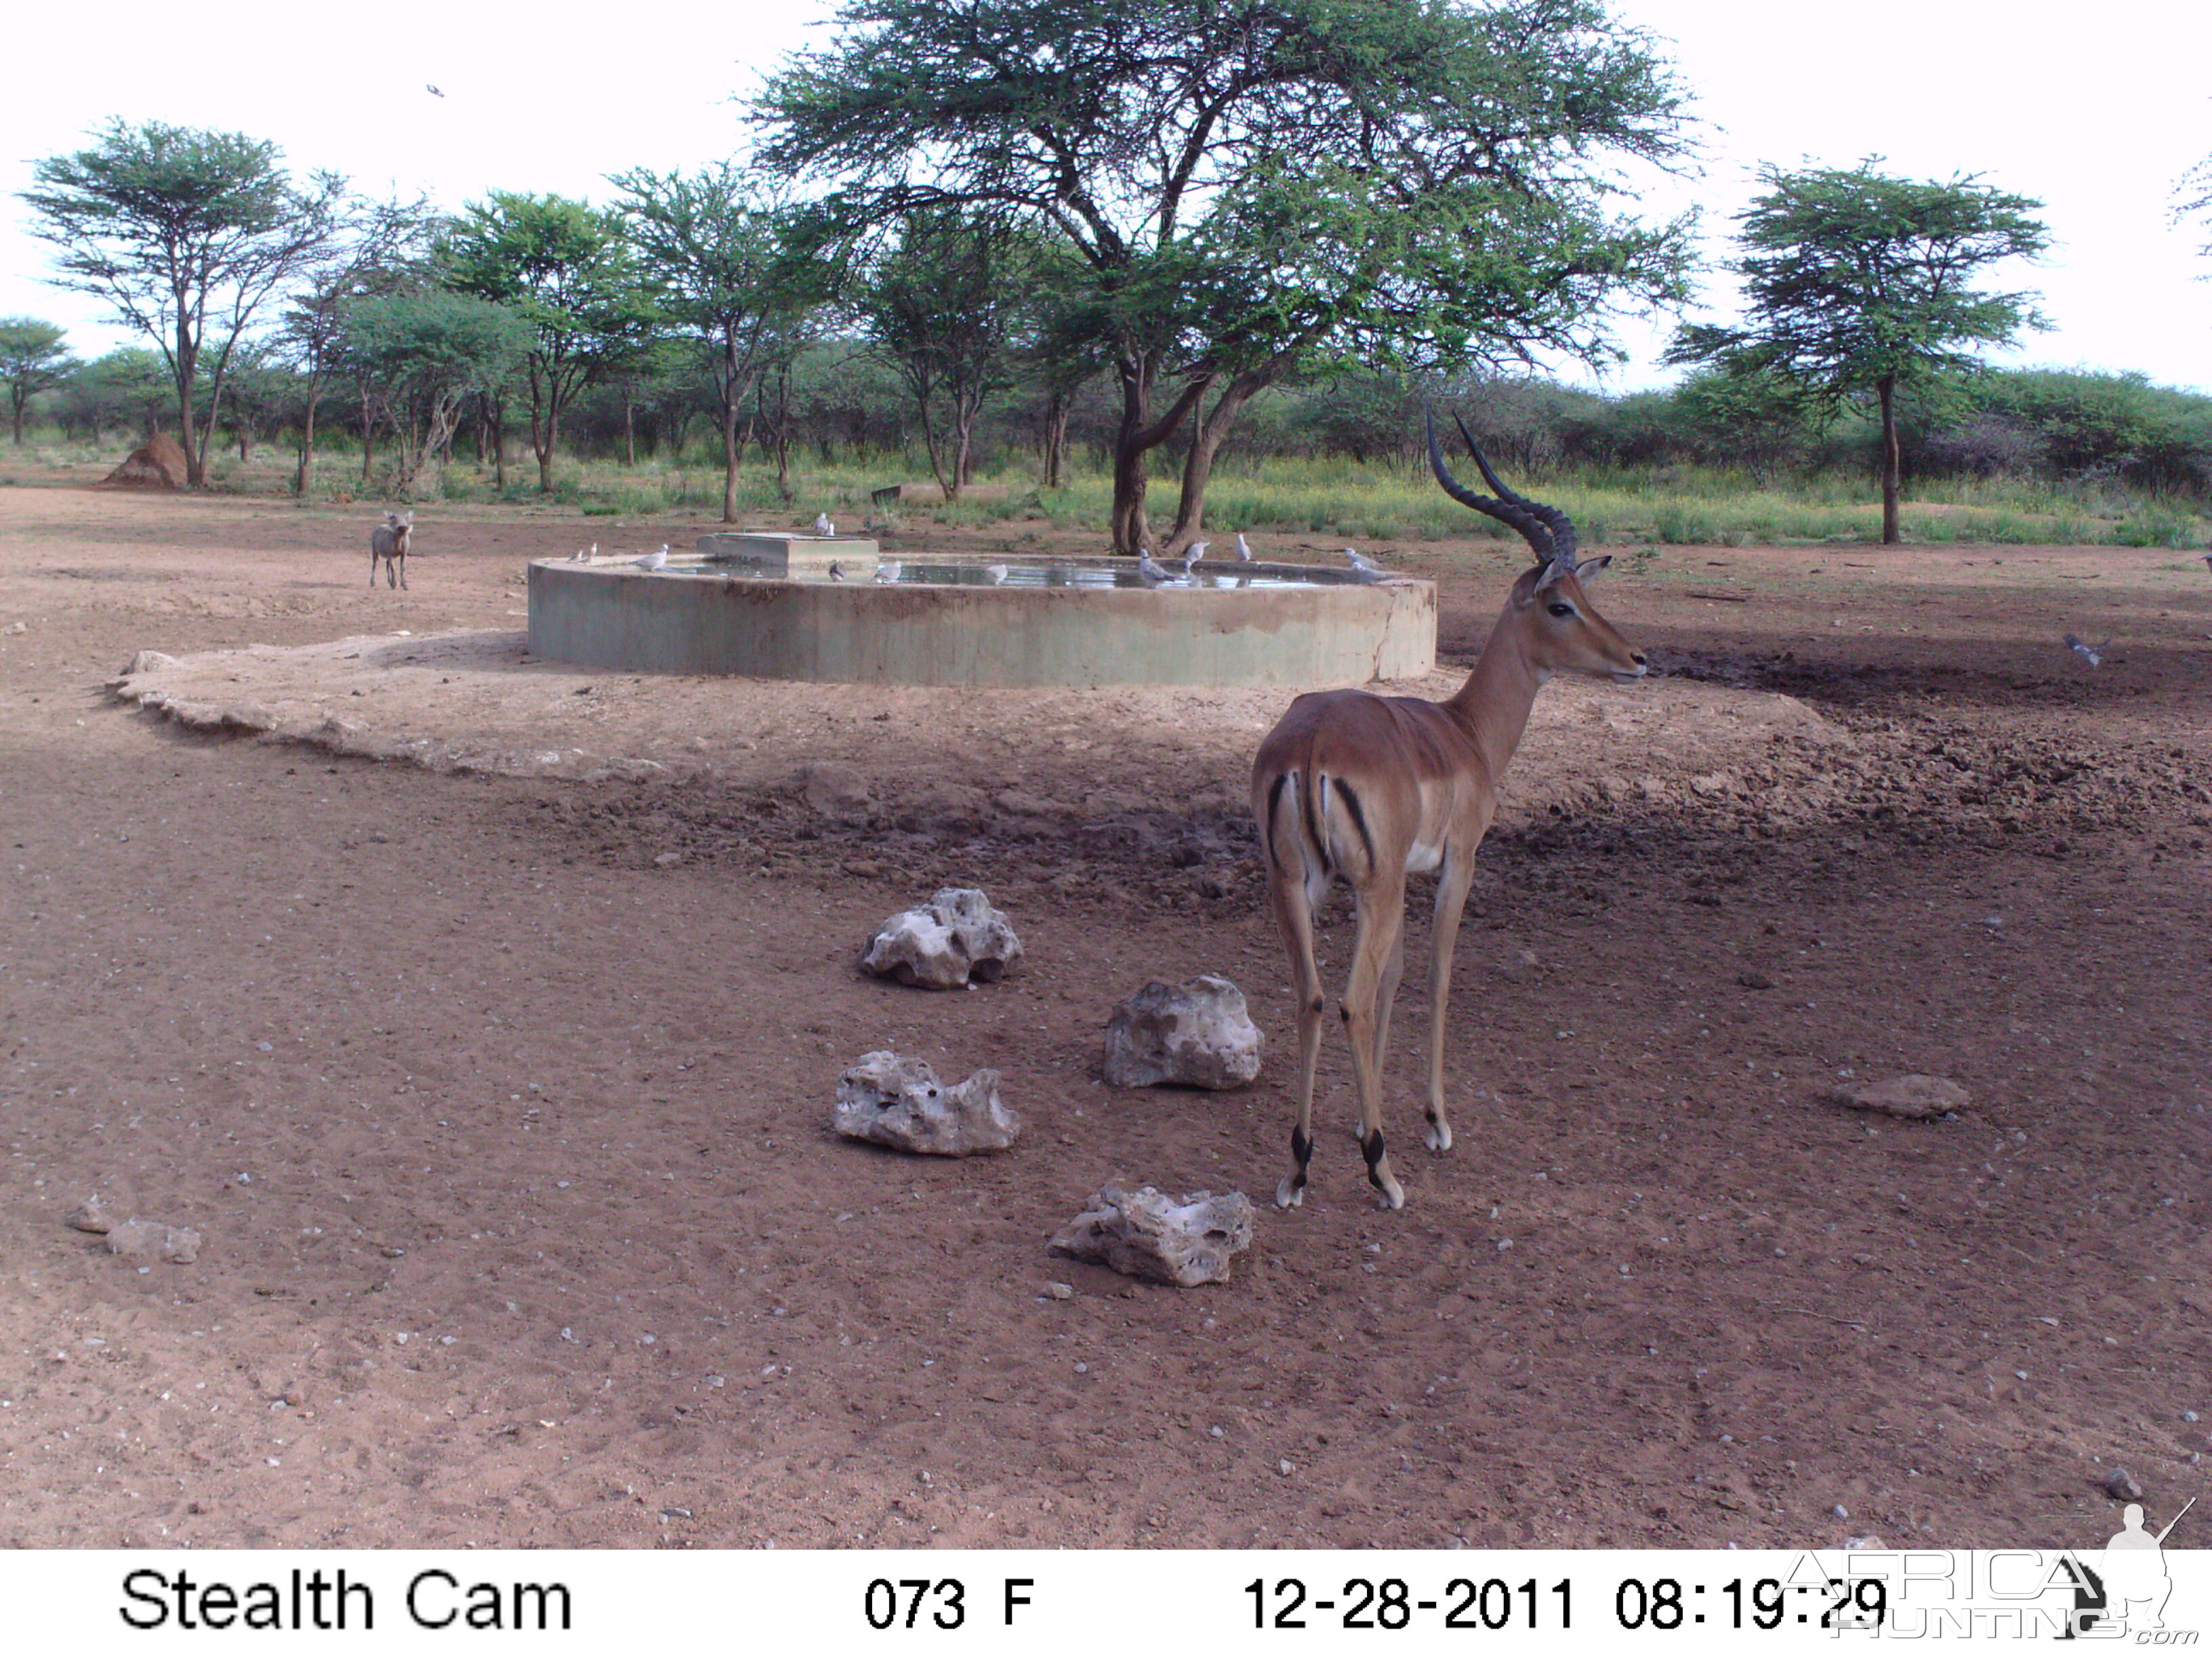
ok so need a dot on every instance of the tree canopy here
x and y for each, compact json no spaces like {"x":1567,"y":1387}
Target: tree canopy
{"x":187,"y":232}
{"x":948,"y":308}
{"x":568,"y":270}
{"x":424,"y":354}
{"x":731,"y":270}
{"x":33,"y":357}
{"x":1249,"y":186}
{"x":1857,"y":284}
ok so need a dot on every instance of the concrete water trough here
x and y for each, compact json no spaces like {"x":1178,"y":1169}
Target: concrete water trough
{"x":949,"y":620}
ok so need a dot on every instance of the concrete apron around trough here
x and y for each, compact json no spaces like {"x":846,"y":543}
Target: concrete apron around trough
{"x":900,"y":633}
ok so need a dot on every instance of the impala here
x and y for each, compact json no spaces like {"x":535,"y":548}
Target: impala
{"x":1353,"y":787}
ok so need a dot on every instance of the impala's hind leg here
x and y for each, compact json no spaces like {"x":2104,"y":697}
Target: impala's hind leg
{"x":1294,"y":918}
{"x":1386,"y":999}
{"x":1452,"y":884}
{"x":1382,"y":911}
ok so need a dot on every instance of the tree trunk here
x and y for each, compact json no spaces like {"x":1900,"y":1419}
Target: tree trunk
{"x":950,"y":483}
{"x":15,"y":395}
{"x":1890,"y":468}
{"x":629,"y":429}
{"x":187,"y":371}
{"x":541,"y":439}
{"x":731,"y":451}
{"x":1055,"y":438}
{"x":1135,"y":440}
{"x":1206,"y":441}
{"x":367,"y":440}
{"x":304,"y":479}
{"x":544,"y":422}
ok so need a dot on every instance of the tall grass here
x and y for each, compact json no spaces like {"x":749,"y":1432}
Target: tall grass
{"x":1369,"y":504}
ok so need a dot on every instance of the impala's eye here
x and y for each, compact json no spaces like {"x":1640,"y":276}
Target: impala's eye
{"x":1563,"y":610}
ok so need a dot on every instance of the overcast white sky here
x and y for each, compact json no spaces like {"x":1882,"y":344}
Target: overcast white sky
{"x":2094,"y":110}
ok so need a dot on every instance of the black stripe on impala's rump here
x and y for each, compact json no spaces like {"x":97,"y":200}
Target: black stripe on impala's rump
{"x":1267,"y":830}
{"x":1308,"y":788}
{"x":1358,"y":819}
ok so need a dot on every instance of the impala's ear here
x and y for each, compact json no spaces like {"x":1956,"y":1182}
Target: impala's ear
{"x":1589,"y":568}
{"x":1549,"y":572}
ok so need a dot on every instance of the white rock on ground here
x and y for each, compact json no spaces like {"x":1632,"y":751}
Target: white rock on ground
{"x":1142,"y":1232}
{"x":135,"y":1238}
{"x":1198,"y":1034}
{"x":1913,"y":1096}
{"x":900,"y":1102}
{"x":944,"y":944}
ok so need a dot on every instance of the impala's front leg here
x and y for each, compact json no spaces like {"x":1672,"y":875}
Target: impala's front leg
{"x":1453,"y":881}
{"x":1382,"y":922}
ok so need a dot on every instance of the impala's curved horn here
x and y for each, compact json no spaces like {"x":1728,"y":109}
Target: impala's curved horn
{"x":1546,"y":529}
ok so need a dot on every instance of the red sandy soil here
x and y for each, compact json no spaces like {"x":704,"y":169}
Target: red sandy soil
{"x":506,"y":1132}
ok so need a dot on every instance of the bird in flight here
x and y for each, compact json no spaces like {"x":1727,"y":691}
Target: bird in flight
{"x":2092,"y":654}
{"x":432,"y":90}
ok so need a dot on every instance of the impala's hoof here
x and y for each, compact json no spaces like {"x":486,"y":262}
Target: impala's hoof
{"x":1392,"y":1197}
{"x":1439,"y":1136}
{"x":1290,"y":1195}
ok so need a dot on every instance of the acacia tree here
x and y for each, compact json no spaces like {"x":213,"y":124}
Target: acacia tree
{"x":1858,"y":284}
{"x":32,"y":359}
{"x":2192,"y":198}
{"x":1249,"y":185}
{"x":424,"y":356}
{"x":568,"y":270}
{"x":731,"y":271}
{"x":187,"y":233}
{"x":946,"y":307}
{"x":129,"y":386}
{"x":381,"y":248}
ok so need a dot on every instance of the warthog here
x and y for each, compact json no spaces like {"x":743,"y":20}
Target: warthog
{"x":388,"y":542}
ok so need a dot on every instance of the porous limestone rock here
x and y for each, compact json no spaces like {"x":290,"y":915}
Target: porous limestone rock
{"x":1198,"y":1034}
{"x":146,"y":662}
{"x":956,"y":937}
{"x":1913,"y":1096}
{"x":900,"y":1102}
{"x":1143,"y":1233}
{"x":135,"y":1238}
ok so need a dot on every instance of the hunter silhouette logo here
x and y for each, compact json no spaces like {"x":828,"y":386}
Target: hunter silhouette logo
{"x":2127,"y":1590}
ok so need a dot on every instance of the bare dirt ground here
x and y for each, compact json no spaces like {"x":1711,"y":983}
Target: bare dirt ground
{"x":504,"y":1130}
